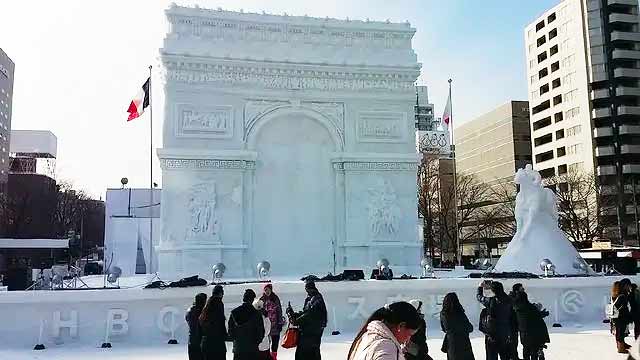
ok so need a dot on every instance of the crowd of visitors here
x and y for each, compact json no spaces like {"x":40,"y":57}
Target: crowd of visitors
{"x":395,"y":331}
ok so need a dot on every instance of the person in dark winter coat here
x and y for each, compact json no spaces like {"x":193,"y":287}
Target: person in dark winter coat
{"x":246,"y":328}
{"x":633,"y":296}
{"x":273,"y":308}
{"x":500,"y":319}
{"x":195,"y":333}
{"x":533,"y":330}
{"x":619,"y":324}
{"x":515,"y":289}
{"x":311,"y":322}
{"x":456,"y":326}
{"x":416,"y":348}
{"x":214,"y":332}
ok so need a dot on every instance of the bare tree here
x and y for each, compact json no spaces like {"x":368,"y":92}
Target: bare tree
{"x":429,"y":202}
{"x":581,"y":205}
{"x":69,"y":208}
{"x":472,"y":196}
{"x":503,"y":195}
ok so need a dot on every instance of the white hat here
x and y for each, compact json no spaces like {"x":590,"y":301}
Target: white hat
{"x":416,"y":303}
{"x":258,"y":304}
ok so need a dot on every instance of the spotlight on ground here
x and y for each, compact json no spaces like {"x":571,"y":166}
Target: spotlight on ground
{"x":264,"y":269}
{"x":113,"y":275}
{"x":218,"y":271}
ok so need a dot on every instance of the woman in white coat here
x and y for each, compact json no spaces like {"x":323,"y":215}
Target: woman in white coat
{"x":384,"y":333}
{"x":265,"y":346}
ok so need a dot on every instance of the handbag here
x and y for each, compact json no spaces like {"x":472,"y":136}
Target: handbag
{"x":290,"y":338}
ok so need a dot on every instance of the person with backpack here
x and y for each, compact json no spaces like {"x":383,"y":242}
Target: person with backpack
{"x":456,"y":327}
{"x":246,"y":328}
{"x":633,"y":296}
{"x":533,"y":330}
{"x":416,"y":348}
{"x":383,"y":334}
{"x":195,"y":332}
{"x":497,"y":320}
{"x":618,"y":312}
{"x":311,"y":322}
{"x":273,"y":307}
{"x":214,"y":332}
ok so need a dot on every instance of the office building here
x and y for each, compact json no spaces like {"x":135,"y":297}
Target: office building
{"x":493,"y":146}
{"x":583,"y":67}
{"x":6,"y":95}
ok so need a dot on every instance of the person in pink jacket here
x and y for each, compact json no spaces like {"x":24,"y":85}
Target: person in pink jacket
{"x":385,"y":331}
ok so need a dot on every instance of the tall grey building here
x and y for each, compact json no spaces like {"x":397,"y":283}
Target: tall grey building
{"x":494,"y":145}
{"x":583,"y":61}
{"x":6,"y":93}
{"x":423,"y":110}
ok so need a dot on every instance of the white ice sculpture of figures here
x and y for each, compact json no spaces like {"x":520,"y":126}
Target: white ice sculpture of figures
{"x":538,"y":236}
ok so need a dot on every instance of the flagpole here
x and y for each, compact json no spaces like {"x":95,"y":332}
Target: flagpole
{"x":455,"y":180}
{"x":150,"y":269}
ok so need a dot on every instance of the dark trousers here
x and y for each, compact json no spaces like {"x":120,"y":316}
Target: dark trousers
{"x":308,"y":353}
{"x":247,"y":355}
{"x":214,"y":355}
{"x":275,"y":340}
{"x":265,"y":355}
{"x":514,"y":346}
{"x":532,"y":353}
{"x":195,"y":353}
{"x":495,"y":349}
{"x":620,"y":330}
{"x":636,"y":328}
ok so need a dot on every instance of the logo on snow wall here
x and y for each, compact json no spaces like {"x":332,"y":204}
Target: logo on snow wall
{"x":572,"y":302}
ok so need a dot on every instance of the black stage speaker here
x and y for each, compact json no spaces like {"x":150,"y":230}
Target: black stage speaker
{"x":17,"y":279}
{"x":353,"y":275}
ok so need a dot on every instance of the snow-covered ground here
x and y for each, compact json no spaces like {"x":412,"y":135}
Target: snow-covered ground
{"x":586,"y":343}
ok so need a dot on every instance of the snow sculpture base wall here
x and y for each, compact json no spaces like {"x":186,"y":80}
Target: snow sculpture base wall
{"x":150,"y":316}
{"x":287,"y":139}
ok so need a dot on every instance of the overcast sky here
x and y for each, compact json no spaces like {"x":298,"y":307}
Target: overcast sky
{"x":79,"y":62}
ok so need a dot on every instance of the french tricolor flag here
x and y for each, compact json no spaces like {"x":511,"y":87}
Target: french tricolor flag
{"x":140,"y":101}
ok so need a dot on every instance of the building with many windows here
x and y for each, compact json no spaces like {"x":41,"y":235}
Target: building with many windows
{"x":6,"y":91}
{"x":494,"y":145}
{"x":583,"y":67}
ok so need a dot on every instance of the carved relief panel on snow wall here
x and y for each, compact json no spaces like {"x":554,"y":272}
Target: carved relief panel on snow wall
{"x":203,"y":224}
{"x":204,"y":121}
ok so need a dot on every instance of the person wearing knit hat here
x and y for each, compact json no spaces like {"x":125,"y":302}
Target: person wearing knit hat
{"x":218,"y":291}
{"x":311,"y":322}
{"x":273,"y":307}
{"x":246,"y":328}
{"x":249,"y":296}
